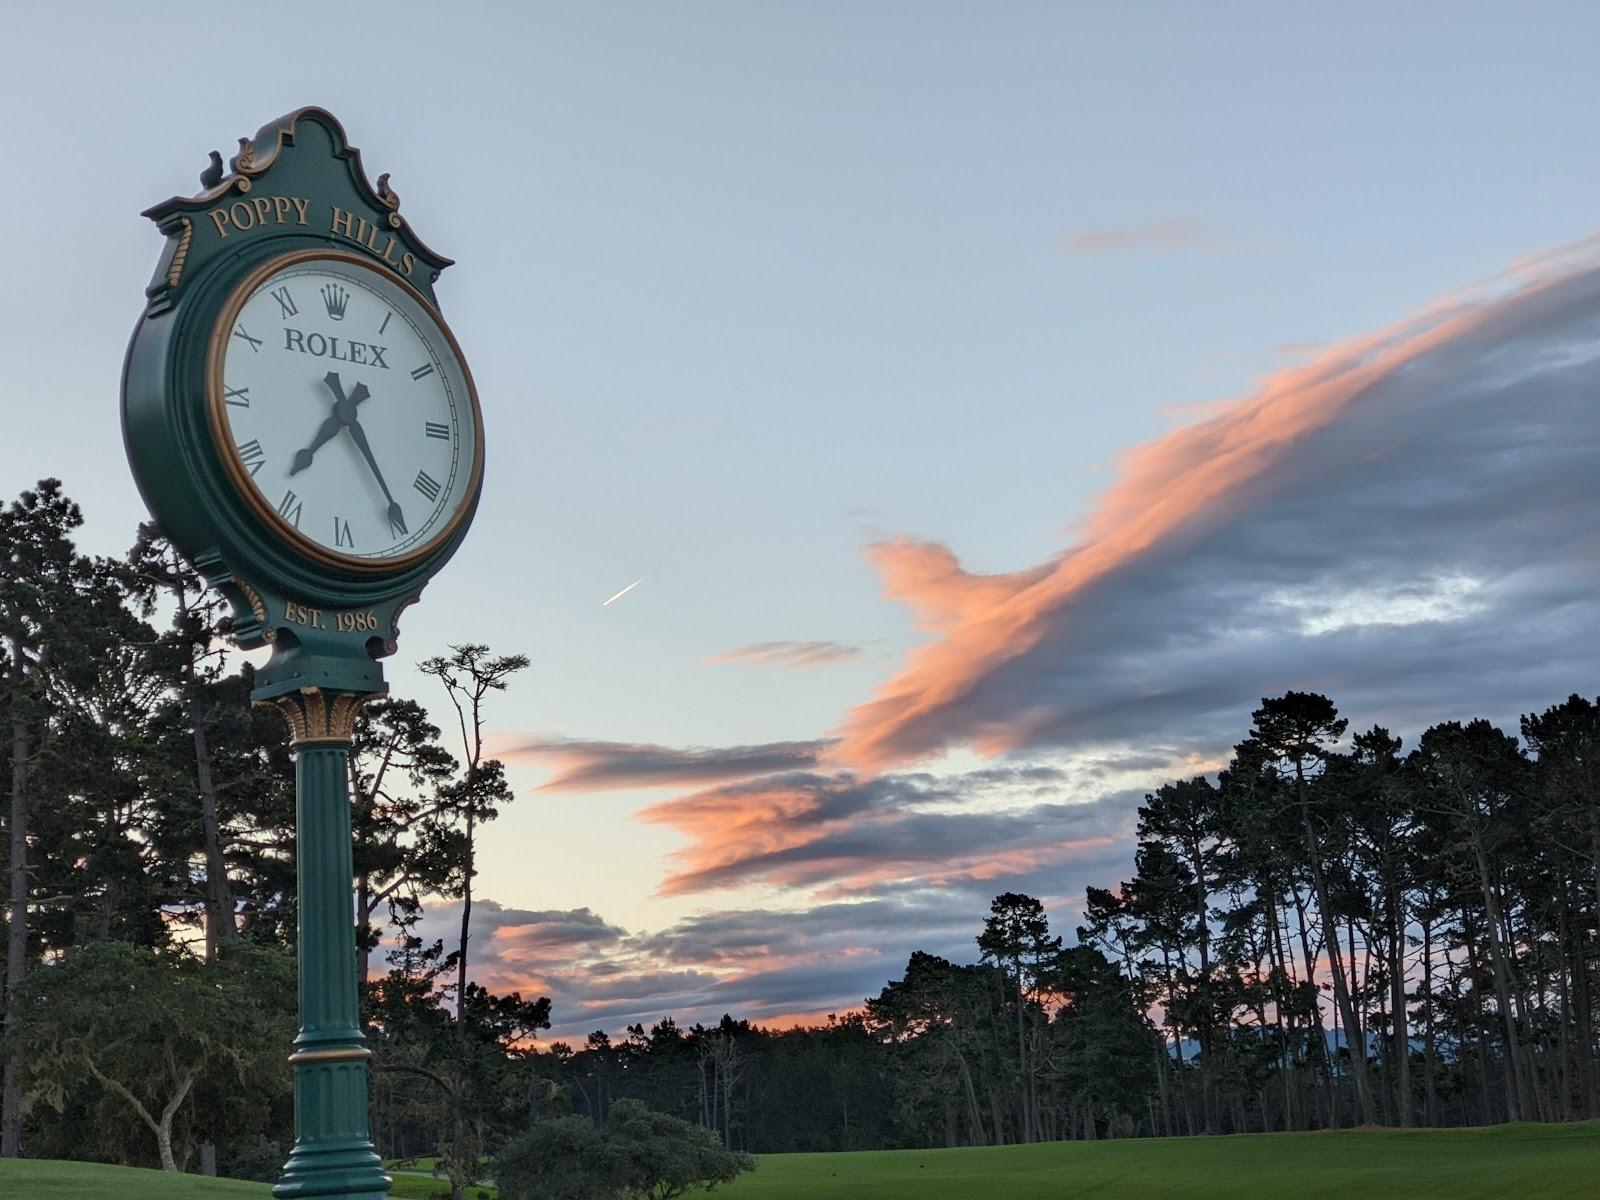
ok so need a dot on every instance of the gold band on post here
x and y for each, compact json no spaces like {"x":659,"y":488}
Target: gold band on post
{"x":315,"y":719}
{"x":349,"y":1054}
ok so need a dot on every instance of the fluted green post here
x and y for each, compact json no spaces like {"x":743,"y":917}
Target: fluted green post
{"x":333,"y":1152}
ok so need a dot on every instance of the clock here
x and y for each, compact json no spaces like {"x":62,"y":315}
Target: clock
{"x":343,"y":411}
{"x":298,"y":416}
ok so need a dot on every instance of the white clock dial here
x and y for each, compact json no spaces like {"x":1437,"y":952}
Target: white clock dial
{"x":345,"y":411}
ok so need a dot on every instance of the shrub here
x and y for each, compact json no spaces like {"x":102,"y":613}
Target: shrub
{"x":639,"y":1155}
{"x":562,"y":1159}
{"x":657,"y":1157}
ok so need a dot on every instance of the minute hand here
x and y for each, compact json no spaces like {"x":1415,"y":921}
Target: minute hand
{"x":396,"y":518}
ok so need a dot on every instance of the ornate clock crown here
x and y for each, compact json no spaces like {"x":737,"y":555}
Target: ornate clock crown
{"x":335,"y":298}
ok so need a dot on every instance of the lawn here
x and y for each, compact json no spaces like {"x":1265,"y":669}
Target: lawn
{"x":42,"y":1180}
{"x":1522,"y":1161}
{"x":39,"y":1180}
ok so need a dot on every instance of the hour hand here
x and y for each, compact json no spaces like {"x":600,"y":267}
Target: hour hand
{"x":302,"y":458}
{"x":344,"y":411}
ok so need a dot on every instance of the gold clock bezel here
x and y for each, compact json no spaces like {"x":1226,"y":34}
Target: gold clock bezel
{"x":239,"y":475}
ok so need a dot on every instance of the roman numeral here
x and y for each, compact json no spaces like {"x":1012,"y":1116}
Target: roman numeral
{"x":255,"y":343}
{"x":341,"y":533}
{"x":285,"y":302}
{"x":238,"y":397}
{"x":427,"y":485}
{"x":385,"y":324}
{"x":289,"y":508}
{"x":252,"y":456}
{"x":422,"y":372}
{"x":437,"y":430}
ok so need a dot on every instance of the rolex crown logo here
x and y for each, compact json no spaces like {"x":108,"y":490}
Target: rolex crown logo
{"x":335,"y":297}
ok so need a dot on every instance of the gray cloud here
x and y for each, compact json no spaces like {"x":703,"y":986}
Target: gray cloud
{"x":895,"y":864}
{"x":586,"y":766}
{"x":756,"y":963}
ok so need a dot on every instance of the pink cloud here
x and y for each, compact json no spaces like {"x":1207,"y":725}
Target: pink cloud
{"x":1173,"y":495}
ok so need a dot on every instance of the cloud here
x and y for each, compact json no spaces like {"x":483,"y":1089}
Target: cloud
{"x":862,"y":871}
{"x":765,"y":964}
{"x":1403,"y":522}
{"x":589,"y":766}
{"x":790,"y":654}
{"x":1157,"y":235}
{"x":847,"y":835}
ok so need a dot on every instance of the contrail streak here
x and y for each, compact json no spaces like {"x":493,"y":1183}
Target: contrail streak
{"x":624,"y":591}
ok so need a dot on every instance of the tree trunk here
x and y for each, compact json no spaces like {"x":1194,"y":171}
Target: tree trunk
{"x":220,"y":917}
{"x":1431,"y":1093}
{"x":1583,"y":1006}
{"x":459,"y":1131}
{"x":162,"y":1126}
{"x":1161,"y":1088}
{"x":1502,"y":988}
{"x":1397,"y":1002}
{"x":1203,"y":937}
{"x":364,"y":908}
{"x":17,"y":917}
{"x":1318,"y":1032}
{"x":1275,"y":957}
{"x":1341,"y":991}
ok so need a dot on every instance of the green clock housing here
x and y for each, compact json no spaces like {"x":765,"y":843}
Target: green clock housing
{"x":299,"y":418}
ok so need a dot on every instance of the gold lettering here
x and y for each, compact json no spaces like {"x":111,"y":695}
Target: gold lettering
{"x":245,"y":221}
{"x":263,"y":208}
{"x":387,"y":249}
{"x":300,"y":207}
{"x":219,"y":218}
{"x":340,"y":217}
{"x":280,"y":205}
{"x":407,"y":262}
{"x":372,"y":236}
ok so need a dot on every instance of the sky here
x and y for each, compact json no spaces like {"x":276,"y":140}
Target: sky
{"x":995,"y":401}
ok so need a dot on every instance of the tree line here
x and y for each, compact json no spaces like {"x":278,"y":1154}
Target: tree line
{"x":1334,"y":929}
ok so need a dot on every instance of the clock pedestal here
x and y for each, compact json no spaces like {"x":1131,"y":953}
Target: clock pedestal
{"x":333,"y":1152}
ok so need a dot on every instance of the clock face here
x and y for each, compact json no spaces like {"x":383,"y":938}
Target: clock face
{"x":343,"y":411}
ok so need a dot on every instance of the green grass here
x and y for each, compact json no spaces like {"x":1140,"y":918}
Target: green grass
{"x":1521,"y":1161}
{"x":409,"y":1187}
{"x":42,"y":1180}
{"x":1528,"y":1162}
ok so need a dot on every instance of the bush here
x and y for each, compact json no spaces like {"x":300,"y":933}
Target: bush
{"x":656,"y":1157}
{"x":562,"y":1159}
{"x":639,"y":1155}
